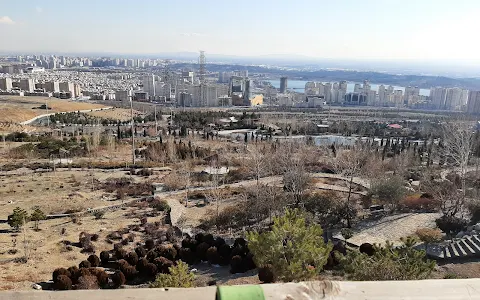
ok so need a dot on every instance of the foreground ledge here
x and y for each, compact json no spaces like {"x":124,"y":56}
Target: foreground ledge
{"x":419,"y":289}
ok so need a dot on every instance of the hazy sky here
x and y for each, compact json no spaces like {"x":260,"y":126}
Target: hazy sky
{"x":367,"y":29}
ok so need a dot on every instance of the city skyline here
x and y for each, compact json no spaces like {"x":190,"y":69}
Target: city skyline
{"x":363,"y":30}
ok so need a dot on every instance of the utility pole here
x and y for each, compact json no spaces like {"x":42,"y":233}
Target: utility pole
{"x":156,"y":124}
{"x":133,"y":132}
{"x":48,"y":117}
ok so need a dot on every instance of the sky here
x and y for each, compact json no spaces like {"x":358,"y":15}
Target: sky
{"x":424,"y":30}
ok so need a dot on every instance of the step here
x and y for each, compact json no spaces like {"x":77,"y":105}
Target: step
{"x":475,"y":247}
{"x":460,"y":250}
{"x":476,"y":239}
{"x":453,"y":251}
{"x":466,"y":247}
{"x":447,"y":252}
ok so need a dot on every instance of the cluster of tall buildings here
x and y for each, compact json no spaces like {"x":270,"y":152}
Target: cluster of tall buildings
{"x":28,"y":87}
{"x":454,"y":99}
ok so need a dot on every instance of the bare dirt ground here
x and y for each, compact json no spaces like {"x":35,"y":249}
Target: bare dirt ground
{"x":121,"y":114}
{"x":17,"y":109}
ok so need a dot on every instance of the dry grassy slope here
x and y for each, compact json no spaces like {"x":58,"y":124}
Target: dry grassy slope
{"x":121,"y":114}
{"x":18,"y":109}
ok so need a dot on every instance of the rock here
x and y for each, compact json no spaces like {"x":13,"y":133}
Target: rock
{"x":460,"y":235}
{"x":36,"y":286}
{"x":473,"y":232}
{"x":477,"y":227}
{"x":469,"y":228}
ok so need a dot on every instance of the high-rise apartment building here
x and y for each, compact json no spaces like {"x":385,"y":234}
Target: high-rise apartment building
{"x":67,"y":87}
{"x":438,"y":97}
{"x":473,"y":105}
{"x":6,"y":84}
{"x":27,"y":85}
{"x":149,"y":85}
{"x":52,"y":86}
{"x":382,"y":95}
{"x":283,"y":84}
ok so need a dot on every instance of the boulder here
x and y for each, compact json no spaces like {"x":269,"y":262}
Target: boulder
{"x":460,"y":235}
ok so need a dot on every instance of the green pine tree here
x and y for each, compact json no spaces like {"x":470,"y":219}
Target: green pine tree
{"x":37,"y":216}
{"x":295,"y":250}
{"x":17,"y":218}
{"x":179,"y":277}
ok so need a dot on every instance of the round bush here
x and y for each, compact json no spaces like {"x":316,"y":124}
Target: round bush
{"x":63,"y":283}
{"x":248,"y":262}
{"x":94,"y":260}
{"x":94,"y":237}
{"x":199,"y":237}
{"x":120,"y":254}
{"x":102,"y":278}
{"x":130,"y":272}
{"x":236,"y":264}
{"x":201,"y":251}
{"x":163,"y":264}
{"x":167,"y":251}
{"x":149,"y":244}
{"x":240,"y":242}
{"x":105,"y":257}
{"x":58,"y":272}
{"x":189,"y":243}
{"x":367,"y":248}
{"x":122,"y":264}
{"x":266,"y":275}
{"x":238,"y":250}
{"x":151,"y":255}
{"x":208,"y":238}
{"x":150,"y":270}
{"x":224,"y":251}
{"x":212,"y":256}
{"x":187,"y":255}
{"x":219,"y":242}
{"x":141,"y":252}
{"x":141,"y":264}
{"x":85,"y":264}
{"x":118,"y":279}
{"x":87,"y":283}
{"x":84,"y":272}
{"x":74,"y":274}
{"x":132,"y":258}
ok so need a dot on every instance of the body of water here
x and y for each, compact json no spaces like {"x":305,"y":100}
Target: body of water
{"x":299,"y":86}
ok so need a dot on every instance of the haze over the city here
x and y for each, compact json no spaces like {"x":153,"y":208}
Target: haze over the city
{"x":433,"y":30}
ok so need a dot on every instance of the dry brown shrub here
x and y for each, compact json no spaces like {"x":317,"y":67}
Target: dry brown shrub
{"x":87,"y":283}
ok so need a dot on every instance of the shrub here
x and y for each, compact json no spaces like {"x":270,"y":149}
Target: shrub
{"x":240,"y":242}
{"x":85,"y":264}
{"x":219,"y":242}
{"x":419,"y":203}
{"x":236,"y":265}
{"x":224,"y":251}
{"x":450,"y":224}
{"x":474,"y":209}
{"x":149,"y":244}
{"x":132,"y":258}
{"x":429,"y":235}
{"x":163,"y":264}
{"x":390,"y":190}
{"x":94,"y":237}
{"x":189,"y":243}
{"x":141,"y":252}
{"x":120,"y":253}
{"x":104,"y":257}
{"x":122,"y":264}
{"x":63,"y":283}
{"x":150,"y":270}
{"x":37,"y":216}
{"x":118,"y":279}
{"x":130,"y":272}
{"x":102,"y":278}
{"x":187,"y":255}
{"x":84,"y":272}
{"x":199,"y":237}
{"x":87,"y":283}
{"x":266,"y":275}
{"x":167,"y":251}
{"x":99,"y":214}
{"x":17,"y":218}
{"x":295,"y":250}
{"x":367,"y":249}
{"x":212,"y":256}
{"x":160,"y":205}
{"x":141,"y":264}
{"x":74,"y":273}
{"x":388,"y":263}
{"x":201,"y":251}
{"x":94,"y":260}
{"x":208,"y":238}
{"x":248,"y":262}
{"x":179,"y":277}
{"x":125,"y":242}
{"x":58,"y":272}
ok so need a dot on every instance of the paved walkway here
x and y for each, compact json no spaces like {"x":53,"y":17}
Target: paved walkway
{"x":63,"y":112}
